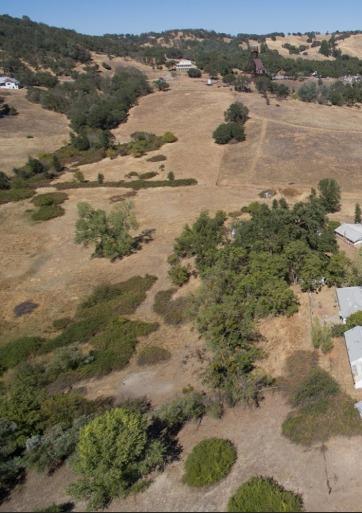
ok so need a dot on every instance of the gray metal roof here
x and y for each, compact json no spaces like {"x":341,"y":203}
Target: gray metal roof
{"x":350,"y":300}
{"x":351,"y":232}
{"x":354,"y":343}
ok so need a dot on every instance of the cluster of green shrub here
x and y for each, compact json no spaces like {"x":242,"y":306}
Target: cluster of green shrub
{"x":194,"y":73}
{"x":317,"y":398}
{"x":173,"y":311}
{"x":125,"y":184}
{"x":144,"y":142}
{"x":336,"y":94}
{"x":209,"y":462}
{"x":153,"y":355}
{"x":295,"y":50}
{"x":264,"y":494}
{"x":49,"y":206}
{"x":249,"y":277}
{"x":264,"y":85}
{"x":233,"y":128}
{"x":5,"y":109}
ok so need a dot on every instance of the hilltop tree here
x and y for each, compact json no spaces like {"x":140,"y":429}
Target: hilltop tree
{"x":330,"y":193}
{"x":109,"y":233}
{"x":358,"y":214}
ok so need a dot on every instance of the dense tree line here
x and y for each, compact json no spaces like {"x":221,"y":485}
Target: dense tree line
{"x":249,"y":277}
{"x":336,"y":94}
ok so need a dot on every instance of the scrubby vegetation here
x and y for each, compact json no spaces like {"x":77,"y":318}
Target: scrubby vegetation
{"x":144,"y":142}
{"x":336,"y":94}
{"x":209,"y":462}
{"x":261,"y":494}
{"x":321,"y":409}
{"x":136,"y":185}
{"x":173,"y":311}
{"x":49,"y":206}
{"x":152,"y":355}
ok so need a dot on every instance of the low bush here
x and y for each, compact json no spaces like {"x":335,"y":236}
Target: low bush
{"x":5,"y":182}
{"x":179,"y":274}
{"x":169,"y":138}
{"x":321,"y":409}
{"x":157,"y":158}
{"x":61,"y":324}
{"x":261,"y":494}
{"x":209,"y":462}
{"x":47,"y":213}
{"x":176,"y":413}
{"x":18,"y":351}
{"x":135,"y":184}
{"x":322,"y":336}
{"x":49,"y":199}
{"x":127,"y":296}
{"x":13,"y":195}
{"x":148,"y":175}
{"x":173,"y":312}
{"x":153,"y":355}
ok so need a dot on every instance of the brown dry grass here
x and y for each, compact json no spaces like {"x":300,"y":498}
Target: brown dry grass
{"x":352,"y":46}
{"x":49,"y":131}
{"x":42,"y":263}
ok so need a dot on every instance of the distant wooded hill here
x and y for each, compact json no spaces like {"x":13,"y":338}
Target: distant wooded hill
{"x":37,"y":54}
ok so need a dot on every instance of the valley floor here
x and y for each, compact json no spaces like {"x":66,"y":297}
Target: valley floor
{"x":289,"y":148}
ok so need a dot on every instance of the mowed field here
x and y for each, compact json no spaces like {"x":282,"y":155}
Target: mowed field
{"x":33,"y":131}
{"x":291,"y":146}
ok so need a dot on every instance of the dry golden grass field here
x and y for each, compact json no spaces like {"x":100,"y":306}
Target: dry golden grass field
{"x":289,"y":147}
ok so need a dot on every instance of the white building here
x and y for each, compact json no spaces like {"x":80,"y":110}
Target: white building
{"x":9,"y":83}
{"x":184,"y":65}
{"x":354,"y":348}
{"x":352,"y":233}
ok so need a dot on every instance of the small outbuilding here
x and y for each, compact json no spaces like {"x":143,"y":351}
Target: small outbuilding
{"x":354,"y":348}
{"x":351,"y":233}
{"x":349,"y":301}
{"x":9,"y":83}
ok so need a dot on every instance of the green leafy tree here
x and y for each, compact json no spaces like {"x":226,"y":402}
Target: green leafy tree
{"x":237,"y":113}
{"x":227,"y":132}
{"x":325,"y":48}
{"x":330,"y":193}
{"x":109,"y":233}
{"x":308,"y":92}
{"x":113,"y":453}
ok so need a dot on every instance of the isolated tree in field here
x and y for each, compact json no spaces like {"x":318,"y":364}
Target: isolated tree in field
{"x":114,"y":451}
{"x":227,"y":132}
{"x":4,"y":181}
{"x":330,"y":193}
{"x":109,"y":233}
{"x":358,"y":214}
{"x":237,"y":113}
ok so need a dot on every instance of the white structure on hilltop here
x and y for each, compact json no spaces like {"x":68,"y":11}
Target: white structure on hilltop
{"x":9,"y":83}
{"x":352,"y":233}
{"x":184,"y":65}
